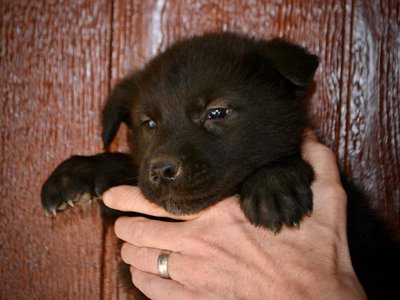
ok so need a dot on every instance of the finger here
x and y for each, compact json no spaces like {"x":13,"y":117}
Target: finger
{"x":143,"y":232}
{"x":130,"y":198}
{"x":146,"y":259}
{"x":142,"y":258}
{"x":321,"y":158}
{"x":155,"y":287}
{"x":327,"y":187}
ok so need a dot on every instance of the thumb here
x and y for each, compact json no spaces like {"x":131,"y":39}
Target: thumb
{"x":130,"y":199}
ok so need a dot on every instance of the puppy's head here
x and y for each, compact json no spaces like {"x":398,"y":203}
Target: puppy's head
{"x":208,"y":112}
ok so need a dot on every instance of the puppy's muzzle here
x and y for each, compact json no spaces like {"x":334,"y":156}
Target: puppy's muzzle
{"x":164,"y":171}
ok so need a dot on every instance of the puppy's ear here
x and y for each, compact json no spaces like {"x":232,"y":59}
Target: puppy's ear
{"x":117,"y":109}
{"x":294,"y":62}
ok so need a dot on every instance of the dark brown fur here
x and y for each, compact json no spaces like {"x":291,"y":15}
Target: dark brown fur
{"x":212,"y":116}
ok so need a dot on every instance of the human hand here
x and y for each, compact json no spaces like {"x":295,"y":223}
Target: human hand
{"x":219,"y":254}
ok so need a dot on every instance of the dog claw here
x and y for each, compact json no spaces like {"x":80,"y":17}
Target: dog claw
{"x":51,"y":212}
{"x":62,"y":206}
{"x":70,"y":203}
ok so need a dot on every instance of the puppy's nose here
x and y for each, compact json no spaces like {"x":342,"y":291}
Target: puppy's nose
{"x":164,"y":170}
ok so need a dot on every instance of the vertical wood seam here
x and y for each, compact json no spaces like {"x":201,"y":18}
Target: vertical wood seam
{"x":104,"y":226}
{"x":347,"y":164}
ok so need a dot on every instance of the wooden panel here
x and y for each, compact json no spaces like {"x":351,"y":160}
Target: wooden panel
{"x":370,"y":135}
{"x":364,"y":127}
{"x":54,"y":70}
{"x":58,"y":61}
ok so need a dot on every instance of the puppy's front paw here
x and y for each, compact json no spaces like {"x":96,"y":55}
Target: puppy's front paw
{"x":73,"y":181}
{"x":278,"y":195}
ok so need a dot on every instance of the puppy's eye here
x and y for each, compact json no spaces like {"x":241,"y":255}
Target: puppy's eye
{"x":217,"y":113}
{"x":150,"y":124}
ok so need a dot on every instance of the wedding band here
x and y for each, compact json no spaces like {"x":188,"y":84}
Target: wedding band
{"x":162,"y":264}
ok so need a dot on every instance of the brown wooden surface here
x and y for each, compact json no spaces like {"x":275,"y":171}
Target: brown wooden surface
{"x":59,"y":59}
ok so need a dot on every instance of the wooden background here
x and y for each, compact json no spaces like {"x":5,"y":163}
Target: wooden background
{"x":58,"y":60}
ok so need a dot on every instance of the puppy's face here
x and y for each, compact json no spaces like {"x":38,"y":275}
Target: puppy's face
{"x":207,"y":113}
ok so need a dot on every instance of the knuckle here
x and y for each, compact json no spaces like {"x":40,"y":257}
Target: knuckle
{"x":149,"y":261}
{"x":130,"y":196}
{"x":324,"y":150}
{"x":334,"y":191}
{"x":328,"y":153}
{"x":129,"y":229}
{"x":137,"y":231}
{"x":316,"y":148}
{"x":143,"y":259}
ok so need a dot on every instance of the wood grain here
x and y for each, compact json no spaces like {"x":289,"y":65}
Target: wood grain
{"x":58,"y":61}
{"x":54,"y":69}
{"x":367,"y":129}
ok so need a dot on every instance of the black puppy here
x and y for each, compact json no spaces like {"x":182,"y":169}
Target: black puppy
{"x":211,"y":116}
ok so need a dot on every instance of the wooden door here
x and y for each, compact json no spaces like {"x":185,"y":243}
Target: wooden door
{"x":60,"y":58}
